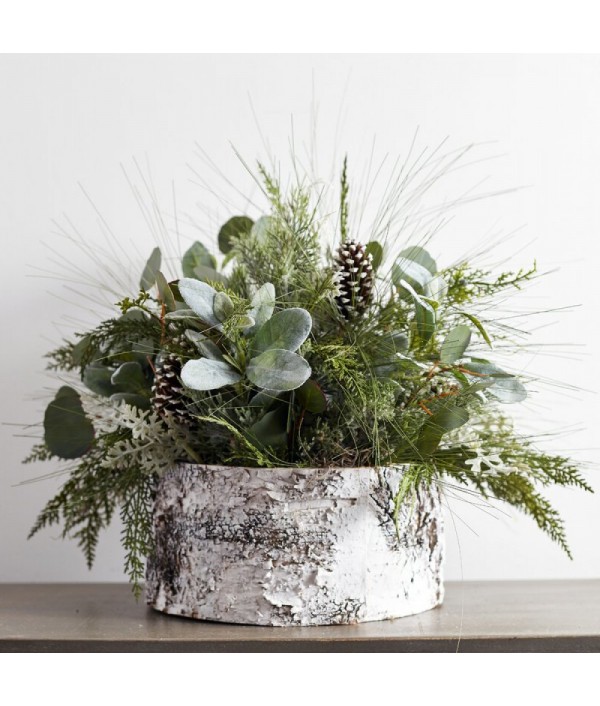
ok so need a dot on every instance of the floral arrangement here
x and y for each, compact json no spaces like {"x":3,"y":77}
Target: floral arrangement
{"x":292,"y":352}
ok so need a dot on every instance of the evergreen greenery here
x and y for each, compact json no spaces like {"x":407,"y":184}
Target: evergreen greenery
{"x":274,"y":374}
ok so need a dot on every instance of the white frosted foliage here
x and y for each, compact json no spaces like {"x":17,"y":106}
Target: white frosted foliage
{"x":293,"y":546}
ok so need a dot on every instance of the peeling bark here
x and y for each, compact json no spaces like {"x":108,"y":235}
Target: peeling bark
{"x":293,"y":546}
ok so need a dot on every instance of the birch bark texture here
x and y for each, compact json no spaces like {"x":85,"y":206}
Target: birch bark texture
{"x":293,"y":546}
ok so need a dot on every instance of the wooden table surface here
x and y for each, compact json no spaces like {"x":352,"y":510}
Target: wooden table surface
{"x":521,"y":616}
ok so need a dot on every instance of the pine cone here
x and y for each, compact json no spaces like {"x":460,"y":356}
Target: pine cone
{"x":354,"y":278}
{"x":168,"y":394}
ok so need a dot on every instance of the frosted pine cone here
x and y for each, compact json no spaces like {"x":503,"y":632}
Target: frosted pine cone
{"x":168,"y":394}
{"x":355,"y":278}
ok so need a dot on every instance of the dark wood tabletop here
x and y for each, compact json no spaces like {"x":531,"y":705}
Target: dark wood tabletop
{"x":499,"y":616}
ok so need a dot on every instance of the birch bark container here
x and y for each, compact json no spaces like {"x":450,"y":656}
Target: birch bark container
{"x":293,"y":546}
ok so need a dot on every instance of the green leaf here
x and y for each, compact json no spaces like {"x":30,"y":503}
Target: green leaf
{"x":208,"y":274}
{"x":97,"y":378}
{"x":165,"y":294}
{"x":181,"y":314}
{"x":222,"y":306}
{"x":271,"y":429}
{"x":130,"y":398}
{"x":205,"y":346}
{"x":68,"y":433}
{"x":288,"y":329}
{"x":436,"y":289}
{"x":130,"y":377}
{"x":152,"y":267}
{"x":79,"y":349}
{"x":455,"y":344}
{"x":479,"y":326}
{"x":197,"y":256}
{"x":261,"y":228}
{"x":508,"y":391}
{"x":207,"y":374}
{"x":311,"y":397}
{"x":234,"y":228}
{"x":419,"y":255}
{"x":374,"y":248}
{"x":424,"y":314}
{"x":446,"y":419}
{"x":278,"y":369}
{"x":505,"y":388}
{"x":416,"y":275}
{"x":200,"y":297}
{"x":263,"y":305}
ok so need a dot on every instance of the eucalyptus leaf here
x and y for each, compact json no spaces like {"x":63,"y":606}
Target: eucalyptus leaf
{"x":374,"y":248}
{"x":505,"y":388}
{"x":508,"y":391}
{"x":416,"y":275}
{"x":271,"y":429}
{"x":234,"y":228}
{"x":68,"y":433}
{"x":98,"y":379}
{"x":419,"y":255}
{"x":311,"y":397}
{"x":205,"y":346}
{"x":263,"y":304}
{"x":181,"y":314}
{"x":79,"y":349}
{"x":207,"y":374}
{"x":447,"y":418}
{"x":130,"y":398}
{"x":197,"y":256}
{"x":455,"y":344}
{"x":479,"y":326}
{"x":287,"y":329}
{"x":151,"y":268}
{"x":278,"y":369}
{"x":165,"y":294}
{"x":425,"y":319}
{"x":436,"y":288}
{"x":200,"y":297}
{"x":222,"y":306}
{"x":209,"y":274}
{"x":129,"y":377}
{"x":261,"y":228}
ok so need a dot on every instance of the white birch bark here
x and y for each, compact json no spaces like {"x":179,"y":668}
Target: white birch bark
{"x":293,"y":546}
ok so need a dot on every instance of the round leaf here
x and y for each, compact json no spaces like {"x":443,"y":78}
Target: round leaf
{"x":271,"y":429}
{"x":261,"y":228}
{"x":416,"y":275}
{"x":206,"y":374}
{"x":374,"y":248}
{"x":130,"y":377}
{"x":455,"y":344}
{"x":287,"y":329}
{"x":200,"y":297}
{"x":278,"y":369}
{"x":418,"y":254}
{"x":197,"y":255}
{"x":311,"y":397}
{"x":263,"y":304}
{"x":234,"y":228}
{"x":68,"y":433}
{"x":222,"y":306}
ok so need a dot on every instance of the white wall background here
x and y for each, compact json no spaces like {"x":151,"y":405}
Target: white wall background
{"x":70,"y":119}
